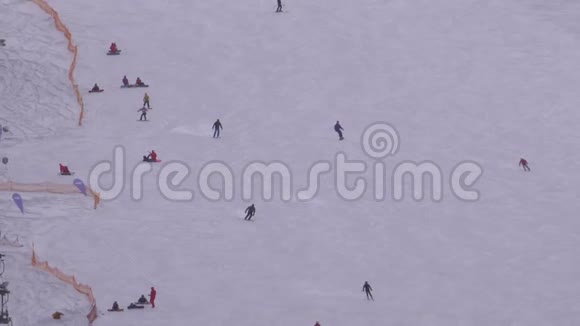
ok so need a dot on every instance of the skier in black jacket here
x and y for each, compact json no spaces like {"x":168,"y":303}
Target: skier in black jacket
{"x":217,"y":125}
{"x":279,"y":9}
{"x":250,"y":211}
{"x":368,"y":289}
{"x":338,"y":129}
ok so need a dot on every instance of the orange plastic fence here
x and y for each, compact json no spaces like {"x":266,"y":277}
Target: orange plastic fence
{"x":71,"y":47}
{"x":4,"y":241}
{"x":69,"y":279}
{"x":53,"y":188}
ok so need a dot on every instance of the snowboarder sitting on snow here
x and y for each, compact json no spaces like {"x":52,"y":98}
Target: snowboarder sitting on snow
{"x":96,"y":88}
{"x":115,"y":306}
{"x":142,"y":299}
{"x":113,"y":47}
{"x":317,"y":324}
{"x":152,"y":157}
{"x":134,"y":306}
{"x":138,"y":82}
{"x":57,"y":315}
{"x":64,"y":169}
{"x":125,"y":81}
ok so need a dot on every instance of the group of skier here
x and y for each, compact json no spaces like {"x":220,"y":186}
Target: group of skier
{"x":216,"y":127}
{"x":140,"y":302}
{"x":138,"y":83}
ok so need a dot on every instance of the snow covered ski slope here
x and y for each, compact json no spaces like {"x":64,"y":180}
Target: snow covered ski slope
{"x":459,"y":80}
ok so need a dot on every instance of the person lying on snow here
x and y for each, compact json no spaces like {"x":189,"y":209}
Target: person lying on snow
{"x":134,"y":306}
{"x":142,"y":299}
{"x":139,"y":82}
{"x":125,"y":81}
{"x":96,"y":88}
{"x":64,"y":169}
{"x":113,"y":47}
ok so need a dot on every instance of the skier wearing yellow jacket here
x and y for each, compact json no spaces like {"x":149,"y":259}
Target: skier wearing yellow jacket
{"x":146,"y":101}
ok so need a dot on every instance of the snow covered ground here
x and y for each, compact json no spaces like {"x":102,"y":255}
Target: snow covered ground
{"x":461,"y":80}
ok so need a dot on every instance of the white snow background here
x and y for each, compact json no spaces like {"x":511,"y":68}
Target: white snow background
{"x":486,"y":81}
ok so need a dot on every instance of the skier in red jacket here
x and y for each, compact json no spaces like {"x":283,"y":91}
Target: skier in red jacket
{"x":524,"y":165}
{"x":152,"y":296}
{"x":113,"y":47}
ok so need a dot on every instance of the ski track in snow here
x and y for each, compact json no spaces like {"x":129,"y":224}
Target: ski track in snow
{"x":461,"y":80}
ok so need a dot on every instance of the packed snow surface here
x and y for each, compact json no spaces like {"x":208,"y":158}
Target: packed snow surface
{"x":461,"y":80}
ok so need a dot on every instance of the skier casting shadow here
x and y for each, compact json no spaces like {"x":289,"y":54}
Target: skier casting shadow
{"x":368,"y":289}
{"x":338,"y":129}
{"x":217,"y":126}
{"x":524,"y":165}
{"x":250,"y":211}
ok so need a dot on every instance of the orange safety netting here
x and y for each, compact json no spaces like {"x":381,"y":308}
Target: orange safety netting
{"x":4,"y":241}
{"x":69,"y":279}
{"x":71,"y":47}
{"x":53,"y":188}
